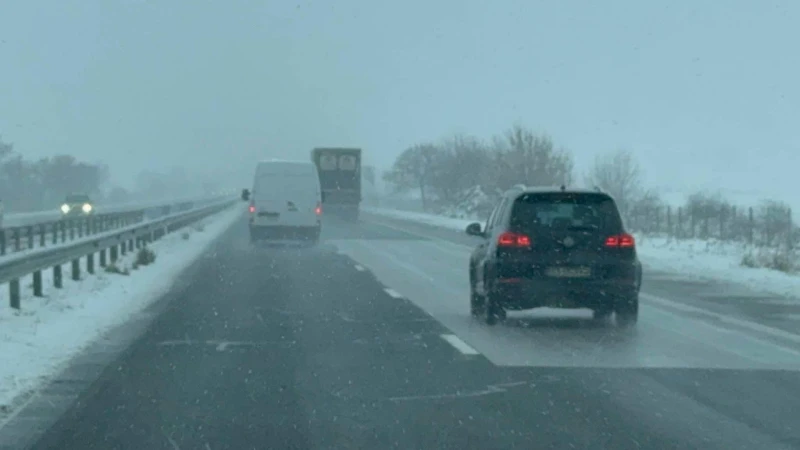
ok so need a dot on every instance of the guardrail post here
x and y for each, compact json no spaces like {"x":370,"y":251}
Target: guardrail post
{"x":123,"y":247}
{"x":58,"y":278}
{"x":13,"y":293}
{"x":30,"y":236}
{"x":76,"y":269}
{"x":103,"y":258}
{"x":90,"y":263}
{"x":71,"y":230}
{"x":55,"y":233}
{"x":2,"y":241}
{"x":17,"y":240}
{"x":37,"y":283}
{"x":114,"y":256}
{"x":42,"y":237}
{"x":130,"y":245}
{"x":80,"y":226}
{"x":63,"y":226}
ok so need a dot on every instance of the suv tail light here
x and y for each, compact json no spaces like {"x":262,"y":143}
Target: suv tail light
{"x":623,"y":240}
{"x":318,"y":209}
{"x":252,"y":209}
{"x":509,"y":239}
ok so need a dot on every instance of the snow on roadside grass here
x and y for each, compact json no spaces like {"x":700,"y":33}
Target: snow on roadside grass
{"x":429,"y":219}
{"x":39,"y":339}
{"x":693,"y":258}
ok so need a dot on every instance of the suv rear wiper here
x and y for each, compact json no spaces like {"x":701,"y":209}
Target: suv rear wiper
{"x":583,"y":228}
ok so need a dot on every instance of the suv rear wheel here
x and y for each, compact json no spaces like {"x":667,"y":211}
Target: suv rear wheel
{"x":627,"y":311}
{"x":475,"y":303}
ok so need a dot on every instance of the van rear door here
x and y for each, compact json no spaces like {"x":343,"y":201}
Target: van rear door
{"x":286,"y":199}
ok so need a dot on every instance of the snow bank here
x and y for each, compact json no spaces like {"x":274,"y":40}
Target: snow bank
{"x":693,"y":258}
{"x":46,"y":333}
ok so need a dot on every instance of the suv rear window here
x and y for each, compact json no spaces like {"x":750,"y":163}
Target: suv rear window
{"x":539,"y":212}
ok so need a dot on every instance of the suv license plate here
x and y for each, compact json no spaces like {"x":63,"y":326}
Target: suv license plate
{"x":569,"y":272}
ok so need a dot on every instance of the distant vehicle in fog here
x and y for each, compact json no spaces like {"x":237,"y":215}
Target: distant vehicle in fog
{"x":77,"y":205}
{"x":286,"y":201}
{"x":340,"y":179}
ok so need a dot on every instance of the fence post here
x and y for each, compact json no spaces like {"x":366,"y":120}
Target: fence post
{"x":669,"y":221}
{"x":13,"y":293}
{"x":76,"y":269}
{"x":37,"y":283}
{"x":58,"y":278}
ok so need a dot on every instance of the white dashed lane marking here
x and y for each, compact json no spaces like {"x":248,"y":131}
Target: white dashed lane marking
{"x":393,"y":293}
{"x":460,"y":345}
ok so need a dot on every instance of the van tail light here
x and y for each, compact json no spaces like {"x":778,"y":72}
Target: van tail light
{"x":515,"y":240}
{"x":252,"y":209}
{"x":623,"y":240}
{"x":318,"y":209}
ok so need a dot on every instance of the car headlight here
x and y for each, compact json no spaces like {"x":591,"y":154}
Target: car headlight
{"x":87,"y":208}
{"x":65,"y":208}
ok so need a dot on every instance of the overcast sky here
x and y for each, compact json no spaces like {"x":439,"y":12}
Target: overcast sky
{"x":706,"y":92}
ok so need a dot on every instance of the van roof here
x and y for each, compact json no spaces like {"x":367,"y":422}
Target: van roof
{"x":286,"y":167}
{"x":284,"y":161}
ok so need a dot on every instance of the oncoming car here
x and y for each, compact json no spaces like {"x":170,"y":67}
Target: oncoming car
{"x":77,"y":205}
{"x":556,"y":248}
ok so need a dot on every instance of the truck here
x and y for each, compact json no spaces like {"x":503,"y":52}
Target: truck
{"x":340,"y":180}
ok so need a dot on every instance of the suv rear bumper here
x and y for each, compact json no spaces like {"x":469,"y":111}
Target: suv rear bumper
{"x":519,"y":294}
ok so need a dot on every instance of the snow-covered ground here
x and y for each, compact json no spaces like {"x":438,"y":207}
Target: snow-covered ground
{"x":46,"y":333}
{"x":693,"y":258}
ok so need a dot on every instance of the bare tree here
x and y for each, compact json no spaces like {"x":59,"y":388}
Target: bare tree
{"x":619,"y":174}
{"x":461,"y":164}
{"x":532,"y":159}
{"x":414,"y":169}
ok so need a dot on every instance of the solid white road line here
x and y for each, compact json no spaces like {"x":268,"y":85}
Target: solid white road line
{"x":393,"y":293}
{"x":360,"y":268}
{"x":459,"y":345}
{"x":748,"y":324}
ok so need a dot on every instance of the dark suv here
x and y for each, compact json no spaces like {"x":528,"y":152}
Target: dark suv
{"x":557,"y":248}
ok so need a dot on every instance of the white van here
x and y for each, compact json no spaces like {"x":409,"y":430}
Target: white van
{"x":286,"y":201}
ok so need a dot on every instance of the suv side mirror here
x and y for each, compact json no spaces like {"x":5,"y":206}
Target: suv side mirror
{"x":245,"y":194}
{"x":474,"y":229}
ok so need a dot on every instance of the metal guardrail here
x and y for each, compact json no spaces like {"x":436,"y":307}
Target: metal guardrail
{"x":133,"y":231}
{"x":55,"y":229}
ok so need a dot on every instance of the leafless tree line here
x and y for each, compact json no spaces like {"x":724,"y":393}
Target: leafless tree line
{"x":459,"y":169}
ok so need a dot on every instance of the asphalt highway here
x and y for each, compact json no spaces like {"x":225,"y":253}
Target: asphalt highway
{"x":365,"y":342}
